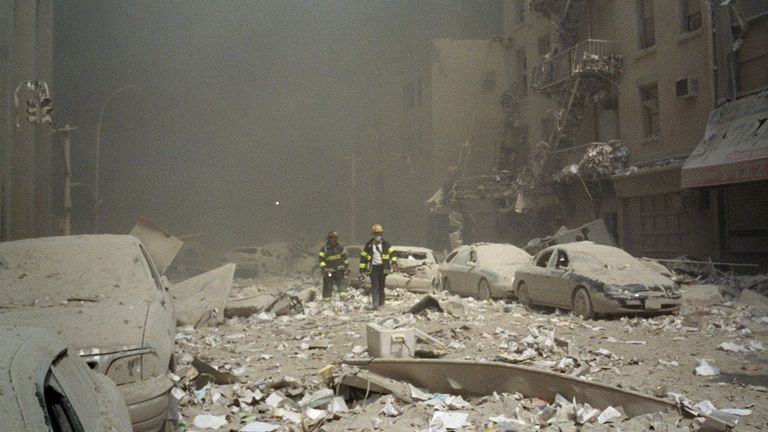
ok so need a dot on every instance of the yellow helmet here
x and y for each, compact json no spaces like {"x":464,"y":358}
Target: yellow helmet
{"x":377,"y":229}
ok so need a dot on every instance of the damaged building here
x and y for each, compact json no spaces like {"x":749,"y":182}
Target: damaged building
{"x":594,"y":128}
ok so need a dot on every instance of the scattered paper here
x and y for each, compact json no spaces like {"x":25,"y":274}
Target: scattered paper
{"x":210,"y":422}
{"x":704,"y":369}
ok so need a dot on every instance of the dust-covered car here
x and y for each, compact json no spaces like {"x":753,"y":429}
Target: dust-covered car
{"x":592,"y":279}
{"x":416,"y":270}
{"x":253,"y":261}
{"x":45,"y":387}
{"x":482,"y":270}
{"x":105,"y":296}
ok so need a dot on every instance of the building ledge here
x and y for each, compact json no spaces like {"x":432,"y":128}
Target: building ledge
{"x":689,"y":35}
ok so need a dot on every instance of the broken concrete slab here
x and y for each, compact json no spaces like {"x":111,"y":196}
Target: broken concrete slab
{"x":594,"y":231}
{"x":200,"y":301}
{"x":291,"y":303}
{"x":161,"y":245}
{"x":753,"y":298}
{"x":216,"y":375}
{"x":702,"y":295}
{"x":245,"y":307}
{"x":481,"y":378}
{"x":427,"y":302}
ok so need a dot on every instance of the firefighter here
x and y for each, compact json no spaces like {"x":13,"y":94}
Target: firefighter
{"x":334,"y":264}
{"x":377,"y":260}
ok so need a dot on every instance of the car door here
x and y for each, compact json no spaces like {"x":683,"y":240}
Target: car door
{"x":454,"y":272}
{"x":535,"y":276}
{"x":559,"y":284}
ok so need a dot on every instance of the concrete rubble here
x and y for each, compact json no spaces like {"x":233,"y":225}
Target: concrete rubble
{"x":300,"y":370}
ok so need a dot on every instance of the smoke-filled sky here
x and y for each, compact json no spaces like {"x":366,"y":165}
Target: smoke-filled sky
{"x":237,"y":104}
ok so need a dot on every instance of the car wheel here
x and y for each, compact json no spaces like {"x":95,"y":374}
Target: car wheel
{"x":483,"y":290}
{"x":582,"y":305}
{"x":523,"y":297}
{"x":447,"y":286}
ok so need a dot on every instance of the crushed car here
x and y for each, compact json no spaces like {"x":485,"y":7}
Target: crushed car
{"x":45,"y":387}
{"x":106,"y":297}
{"x":592,"y":279}
{"x":482,"y":270}
{"x":416,"y":269}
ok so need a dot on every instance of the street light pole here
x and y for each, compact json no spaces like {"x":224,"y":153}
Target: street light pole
{"x":99,"y":124}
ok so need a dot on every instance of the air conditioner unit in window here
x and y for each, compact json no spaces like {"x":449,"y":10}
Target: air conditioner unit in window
{"x":686,"y":87}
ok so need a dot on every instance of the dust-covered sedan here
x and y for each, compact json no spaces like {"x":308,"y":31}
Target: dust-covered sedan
{"x":482,"y":270}
{"x":105,"y":296}
{"x":592,"y":279}
{"x":45,"y":387}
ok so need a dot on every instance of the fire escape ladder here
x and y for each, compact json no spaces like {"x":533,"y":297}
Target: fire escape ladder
{"x":570,"y":115}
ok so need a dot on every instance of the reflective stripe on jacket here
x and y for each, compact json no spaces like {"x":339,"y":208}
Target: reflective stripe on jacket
{"x":387,"y":256}
{"x":333,"y":257}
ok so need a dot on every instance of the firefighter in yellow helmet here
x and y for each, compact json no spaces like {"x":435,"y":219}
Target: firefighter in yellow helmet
{"x":377,"y":260}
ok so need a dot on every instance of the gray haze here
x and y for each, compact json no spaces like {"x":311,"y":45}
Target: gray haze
{"x":240,"y":104}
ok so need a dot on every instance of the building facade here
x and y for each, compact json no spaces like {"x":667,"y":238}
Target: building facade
{"x":25,"y":149}
{"x":607,"y":100}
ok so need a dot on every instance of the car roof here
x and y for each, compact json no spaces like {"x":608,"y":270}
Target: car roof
{"x":412,"y":248}
{"x":586,"y":246}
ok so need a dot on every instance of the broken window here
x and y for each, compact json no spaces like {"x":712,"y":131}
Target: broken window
{"x":649,"y":99}
{"x":646,"y":31}
{"x":543,"y":45}
{"x":522,"y":71}
{"x":543,"y":259}
{"x":690,"y":13}
{"x":408,"y":96}
{"x":518,"y":11}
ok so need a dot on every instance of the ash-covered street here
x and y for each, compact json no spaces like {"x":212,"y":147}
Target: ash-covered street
{"x":281,"y":362}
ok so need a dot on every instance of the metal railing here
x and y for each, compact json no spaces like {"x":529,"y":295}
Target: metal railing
{"x":559,"y":159}
{"x":591,"y":55}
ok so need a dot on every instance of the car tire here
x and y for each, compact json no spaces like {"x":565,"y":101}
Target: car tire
{"x":483,"y":290}
{"x":582,"y":305}
{"x":447,"y":286}
{"x":523,"y":297}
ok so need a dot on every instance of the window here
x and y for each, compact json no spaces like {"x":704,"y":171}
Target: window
{"x":543,"y":44}
{"x":522,"y":71}
{"x":518,"y":11}
{"x":646,"y":31}
{"x":649,"y":99}
{"x":462,"y":258}
{"x":562,"y":260}
{"x":543,"y":259}
{"x":408,"y":96}
{"x":751,"y":59}
{"x":690,"y":14}
{"x":661,"y":228}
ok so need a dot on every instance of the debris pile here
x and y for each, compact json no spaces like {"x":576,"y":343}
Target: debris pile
{"x":600,"y":160}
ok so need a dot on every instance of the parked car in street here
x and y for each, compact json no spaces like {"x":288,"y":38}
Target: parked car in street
{"x":592,"y":279}
{"x":416,"y":269}
{"x":105,"y":296}
{"x":45,"y":387}
{"x":482,"y":270}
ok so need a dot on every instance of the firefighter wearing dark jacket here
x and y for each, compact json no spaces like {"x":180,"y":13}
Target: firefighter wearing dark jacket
{"x":377,"y":260}
{"x":334,"y":263}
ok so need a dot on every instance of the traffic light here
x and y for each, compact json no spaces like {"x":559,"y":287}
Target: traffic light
{"x":33,"y":110}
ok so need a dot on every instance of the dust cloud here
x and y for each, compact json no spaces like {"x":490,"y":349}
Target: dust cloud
{"x":237,"y":105}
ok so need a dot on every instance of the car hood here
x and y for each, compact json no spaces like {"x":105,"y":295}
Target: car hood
{"x":623,"y":278}
{"x":85,"y":325}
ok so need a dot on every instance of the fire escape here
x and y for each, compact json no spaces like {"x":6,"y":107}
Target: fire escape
{"x":572,"y":74}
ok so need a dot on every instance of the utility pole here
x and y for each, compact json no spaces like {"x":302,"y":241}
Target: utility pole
{"x":66,"y":147}
{"x":96,"y":167}
{"x":352,"y":196}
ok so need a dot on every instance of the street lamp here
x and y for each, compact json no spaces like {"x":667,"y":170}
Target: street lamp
{"x":96,"y":196}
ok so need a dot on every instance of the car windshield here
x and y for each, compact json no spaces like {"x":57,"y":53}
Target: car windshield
{"x":413,"y":255}
{"x":72,"y":268}
{"x":501,"y":255}
{"x":610,"y":259}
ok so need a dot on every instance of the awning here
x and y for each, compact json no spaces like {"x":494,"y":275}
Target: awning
{"x":735,"y":145}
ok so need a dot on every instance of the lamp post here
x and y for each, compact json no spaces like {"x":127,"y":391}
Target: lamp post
{"x":96,"y":196}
